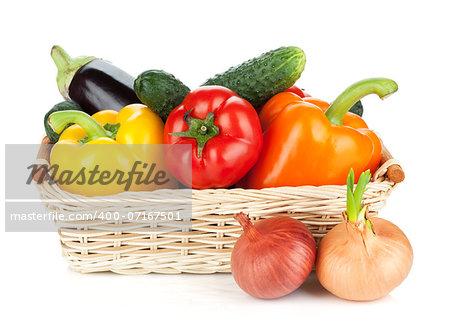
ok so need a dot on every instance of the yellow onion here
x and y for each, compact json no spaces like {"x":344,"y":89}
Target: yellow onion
{"x":363,"y":259}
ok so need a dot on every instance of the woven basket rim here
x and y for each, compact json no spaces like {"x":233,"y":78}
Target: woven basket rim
{"x":378,"y":178}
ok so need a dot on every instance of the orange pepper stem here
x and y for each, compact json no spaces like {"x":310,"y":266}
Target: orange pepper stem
{"x":383,"y":87}
{"x":58,"y":121}
{"x":201,"y":130}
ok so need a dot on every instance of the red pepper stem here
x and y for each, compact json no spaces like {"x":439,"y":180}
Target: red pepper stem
{"x":250,"y":230}
{"x":58,"y":121}
{"x":383,"y":87}
{"x":201,"y":130}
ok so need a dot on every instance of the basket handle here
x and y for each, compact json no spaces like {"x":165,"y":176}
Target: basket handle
{"x":390,"y":166}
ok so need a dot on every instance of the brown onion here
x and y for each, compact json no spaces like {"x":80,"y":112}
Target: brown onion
{"x":359,"y":264}
{"x":363,"y":259}
{"x":273,"y":257}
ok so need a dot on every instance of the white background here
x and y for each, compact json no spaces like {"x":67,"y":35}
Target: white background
{"x":344,"y":41}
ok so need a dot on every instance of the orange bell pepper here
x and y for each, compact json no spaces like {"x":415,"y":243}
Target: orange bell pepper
{"x":308,"y":142}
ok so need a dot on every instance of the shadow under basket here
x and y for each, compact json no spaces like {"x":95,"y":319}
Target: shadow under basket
{"x":129,"y":247}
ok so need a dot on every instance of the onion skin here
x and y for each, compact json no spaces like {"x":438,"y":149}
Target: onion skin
{"x":273,"y":257}
{"x":357,"y":264}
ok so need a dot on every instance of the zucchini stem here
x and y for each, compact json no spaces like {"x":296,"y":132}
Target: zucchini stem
{"x":383,"y":87}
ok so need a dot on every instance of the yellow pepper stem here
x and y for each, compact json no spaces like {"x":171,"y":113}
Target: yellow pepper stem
{"x":58,"y":121}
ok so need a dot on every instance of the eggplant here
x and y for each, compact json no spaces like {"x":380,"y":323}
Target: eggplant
{"x":93,"y":83}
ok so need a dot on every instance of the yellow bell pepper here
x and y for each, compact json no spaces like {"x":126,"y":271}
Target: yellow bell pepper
{"x":105,"y":163}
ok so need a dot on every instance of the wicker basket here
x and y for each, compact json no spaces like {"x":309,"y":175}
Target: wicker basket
{"x":133,"y":248}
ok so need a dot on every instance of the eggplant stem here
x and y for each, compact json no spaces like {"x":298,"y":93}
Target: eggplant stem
{"x":67,"y":68}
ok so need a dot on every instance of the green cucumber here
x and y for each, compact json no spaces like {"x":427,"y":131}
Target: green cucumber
{"x":65,"y":105}
{"x":259,"y":79}
{"x":160,"y":91}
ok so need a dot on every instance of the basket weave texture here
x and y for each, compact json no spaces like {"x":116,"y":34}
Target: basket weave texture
{"x":130,"y":247}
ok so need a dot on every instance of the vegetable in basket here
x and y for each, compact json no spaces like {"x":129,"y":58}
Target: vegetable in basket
{"x":107,"y":144}
{"x":225,"y":135}
{"x":64,"y":105}
{"x":305,"y":146}
{"x":357,"y":108}
{"x":94,"y":84}
{"x":272,"y":257}
{"x":160,"y":91}
{"x":258,"y":79}
{"x":296,"y":90}
{"x":362,"y":258}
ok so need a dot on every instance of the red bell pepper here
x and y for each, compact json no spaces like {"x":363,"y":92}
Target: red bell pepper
{"x":225,"y":134}
{"x":294,"y":89}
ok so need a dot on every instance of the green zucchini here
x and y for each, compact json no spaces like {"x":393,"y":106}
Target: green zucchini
{"x":259,"y":79}
{"x":65,"y":105}
{"x":357,"y":108}
{"x":160,"y":91}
